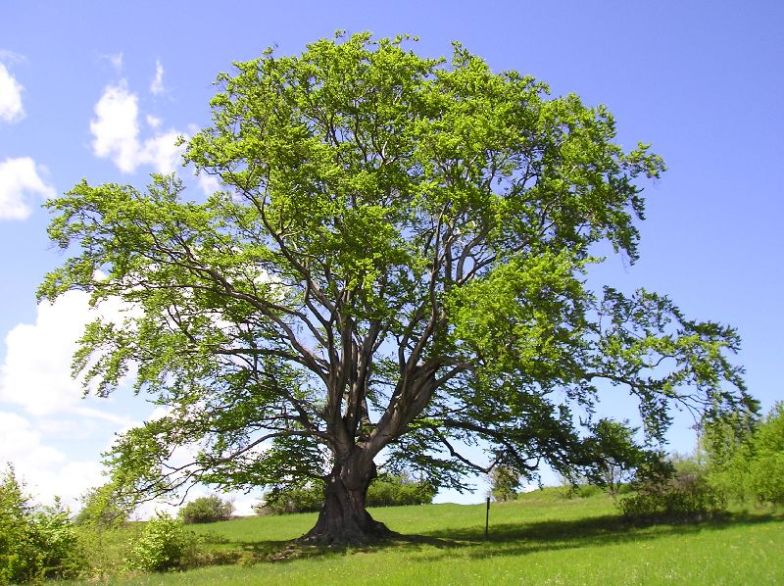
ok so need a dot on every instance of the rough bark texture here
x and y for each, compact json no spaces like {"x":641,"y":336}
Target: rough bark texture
{"x":343,"y":519}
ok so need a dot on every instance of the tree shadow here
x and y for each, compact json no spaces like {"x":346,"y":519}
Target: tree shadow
{"x":515,"y":539}
{"x":234,"y":551}
{"x":506,"y":539}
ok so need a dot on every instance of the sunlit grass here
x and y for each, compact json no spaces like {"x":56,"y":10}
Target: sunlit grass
{"x":543,"y":538}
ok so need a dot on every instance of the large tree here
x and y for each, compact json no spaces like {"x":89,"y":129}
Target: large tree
{"x":394,"y":268}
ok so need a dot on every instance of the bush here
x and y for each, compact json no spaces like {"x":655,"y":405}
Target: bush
{"x":14,"y":530}
{"x":386,"y":490}
{"x":588,"y":490}
{"x":300,"y":499}
{"x":206,"y":509}
{"x":35,"y":544}
{"x":745,"y":456}
{"x":165,"y":544}
{"x":766,"y":468}
{"x":55,"y":537}
{"x":504,"y":482}
{"x":104,"y":507}
{"x":393,"y":491}
{"x":676,"y":490}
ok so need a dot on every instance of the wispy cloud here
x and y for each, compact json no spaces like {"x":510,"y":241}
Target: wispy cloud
{"x":156,"y":85}
{"x":20,"y":185}
{"x":12,"y":56}
{"x":11,"y":108}
{"x":208,"y":183}
{"x":116,"y":61}
{"x":153,"y":121}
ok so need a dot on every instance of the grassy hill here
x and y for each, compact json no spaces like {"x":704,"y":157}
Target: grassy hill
{"x":542,"y":538}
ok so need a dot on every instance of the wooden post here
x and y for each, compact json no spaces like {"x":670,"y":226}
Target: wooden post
{"x":487,"y":518}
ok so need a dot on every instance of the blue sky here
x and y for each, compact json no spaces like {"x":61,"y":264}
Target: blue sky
{"x":99,"y":90}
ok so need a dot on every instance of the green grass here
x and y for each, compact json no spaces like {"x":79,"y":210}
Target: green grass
{"x":543,"y":538}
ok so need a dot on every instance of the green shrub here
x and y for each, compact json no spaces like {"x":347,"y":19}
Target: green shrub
{"x":766,"y":468}
{"x":300,"y":499}
{"x":745,"y":456}
{"x":14,"y":529}
{"x":588,"y":490}
{"x":386,"y":490}
{"x":206,"y":509}
{"x":104,"y":507}
{"x":35,"y":544}
{"x":165,"y":544}
{"x":676,"y":490}
{"x":504,"y":483}
{"x":397,"y":490}
{"x":107,"y":550}
{"x":55,"y":537}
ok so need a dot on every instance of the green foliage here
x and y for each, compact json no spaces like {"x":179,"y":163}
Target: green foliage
{"x":206,"y":509}
{"x":766,"y":467}
{"x":615,"y":454}
{"x":103,"y":507}
{"x":35,"y":543}
{"x":57,"y":542}
{"x":14,"y":529}
{"x":390,"y":490}
{"x":16,"y":551}
{"x":672,"y":490}
{"x":745,"y":457}
{"x":396,"y":262}
{"x":586,"y":490}
{"x":304,"y":498}
{"x":106,"y":549}
{"x":387,"y":490}
{"x":725,"y":447}
{"x":504,"y":482}
{"x":164,"y":544}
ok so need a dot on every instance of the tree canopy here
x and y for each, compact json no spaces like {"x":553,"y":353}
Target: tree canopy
{"x":395,"y":267}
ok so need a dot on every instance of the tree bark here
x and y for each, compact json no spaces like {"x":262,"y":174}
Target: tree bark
{"x":343,"y":519}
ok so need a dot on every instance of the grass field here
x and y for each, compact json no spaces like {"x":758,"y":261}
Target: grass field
{"x":543,"y":538}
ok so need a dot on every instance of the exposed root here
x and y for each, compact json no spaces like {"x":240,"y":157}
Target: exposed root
{"x":353,"y":535}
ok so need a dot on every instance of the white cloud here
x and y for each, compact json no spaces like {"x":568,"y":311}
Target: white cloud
{"x":49,"y":471}
{"x":20,"y":442}
{"x":12,"y":56}
{"x":208,"y":183}
{"x":116,"y":59}
{"x":45,"y":440}
{"x":19,"y":183}
{"x":156,"y":85}
{"x":46,"y":471}
{"x":153,"y":121}
{"x":116,"y":134}
{"x":36,"y":372}
{"x":162,"y":152}
{"x":11,"y":108}
{"x":115,"y":128}
{"x":115,"y":131}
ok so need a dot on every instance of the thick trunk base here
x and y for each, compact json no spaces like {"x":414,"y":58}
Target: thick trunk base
{"x":336,"y":532}
{"x":343,"y":519}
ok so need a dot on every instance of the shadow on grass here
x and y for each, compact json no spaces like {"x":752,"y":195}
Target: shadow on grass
{"x":519,"y":539}
{"x":509,"y":539}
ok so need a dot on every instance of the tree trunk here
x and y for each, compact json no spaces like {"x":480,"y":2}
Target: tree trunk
{"x":343,"y":519}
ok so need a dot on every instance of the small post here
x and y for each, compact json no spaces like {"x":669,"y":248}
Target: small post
{"x":487,"y":518}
